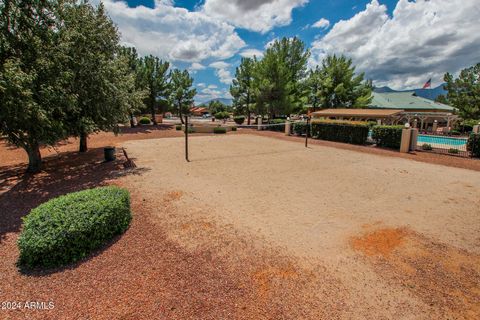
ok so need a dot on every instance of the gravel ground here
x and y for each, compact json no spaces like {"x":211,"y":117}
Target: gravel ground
{"x":237,"y":234}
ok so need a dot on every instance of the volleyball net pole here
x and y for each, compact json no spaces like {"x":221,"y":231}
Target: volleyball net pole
{"x":186,"y":138}
{"x":306,"y":132}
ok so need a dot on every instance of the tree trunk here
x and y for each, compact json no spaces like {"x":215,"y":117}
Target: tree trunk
{"x":83,"y":142}
{"x":132,"y":124}
{"x":154,"y":120}
{"x":180,"y":113}
{"x":34,"y":159}
{"x":248,"y":117}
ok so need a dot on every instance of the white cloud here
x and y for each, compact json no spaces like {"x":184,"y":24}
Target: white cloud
{"x":322,"y":24}
{"x":269,"y":43}
{"x":174,"y":33}
{"x":250,"y":53}
{"x":210,"y":94}
{"x":197,"y":66}
{"x":420,"y":40}
{"x":219,"y":65}
{"x":201,"y":85}
{"x":255,"y":15}
{"x":212,"y":86}
{"x":221,"y":71}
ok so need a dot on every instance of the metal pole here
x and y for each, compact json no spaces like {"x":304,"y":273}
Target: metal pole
{"x":306,"y":132}
{"x":186,"y":138}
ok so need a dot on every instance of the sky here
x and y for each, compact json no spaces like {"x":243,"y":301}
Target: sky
{"x":400,"y":43}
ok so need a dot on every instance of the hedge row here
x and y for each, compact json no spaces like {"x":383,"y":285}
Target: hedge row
{"x":340,"y":131}
{"x":299,"y":128}
{"x":388,"y":136}
{"x":473,"y":144}
{"x":278,"y":125}
{"x":68,"y":228}
{"x":219,"y":130}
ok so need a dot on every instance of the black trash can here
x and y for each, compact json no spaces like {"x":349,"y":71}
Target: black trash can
{"x":109,"y":153}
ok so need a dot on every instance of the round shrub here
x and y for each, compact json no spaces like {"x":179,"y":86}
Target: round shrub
{"x":473,"y":144}
{"x":427,"y":147}
{"x":222,"y":115}
{"x":220,"y":130}
{"x":144,"y":120}
{"x":68,"y":228}
{"x":178,"y":127}
{"x":234,"y":128}
{"x":239,"y":119}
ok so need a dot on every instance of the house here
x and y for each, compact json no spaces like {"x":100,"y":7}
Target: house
{"x":398,"y":108}
{"x":199,"y":111}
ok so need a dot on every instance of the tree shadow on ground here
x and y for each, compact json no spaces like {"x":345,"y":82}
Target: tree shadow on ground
{"x":146,"y":128}
{"x":68,"y":172}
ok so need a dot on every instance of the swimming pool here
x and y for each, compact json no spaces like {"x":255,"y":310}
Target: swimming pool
{"x":447,"y":141}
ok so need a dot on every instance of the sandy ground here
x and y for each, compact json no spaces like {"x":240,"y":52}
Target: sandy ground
{"x":255,"y":227}
{"x":396,"y":238}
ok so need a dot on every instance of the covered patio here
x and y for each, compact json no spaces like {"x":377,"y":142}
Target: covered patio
{"x":381,"y":116}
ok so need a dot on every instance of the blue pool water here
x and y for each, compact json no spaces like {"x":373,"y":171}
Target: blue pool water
{"x":441,"y":140}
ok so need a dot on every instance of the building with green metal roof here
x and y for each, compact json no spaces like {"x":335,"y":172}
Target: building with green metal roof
{"x":407,"y":101}
{"x":399,"y":108}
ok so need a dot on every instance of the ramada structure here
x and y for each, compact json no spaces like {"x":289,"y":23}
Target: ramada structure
{"x":398,"y":108}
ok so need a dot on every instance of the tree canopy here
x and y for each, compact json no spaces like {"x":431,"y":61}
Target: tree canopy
{"x":34,"y":85}
{"x":464,"y":92}
{"x":277,"y":77}
{"x":60,"y":74}
{"x":155,"y":78}
{"x":242,"y":89}
{"x":335,"y":85}
{"x":182,"y":92}
{"x":102,"y":82}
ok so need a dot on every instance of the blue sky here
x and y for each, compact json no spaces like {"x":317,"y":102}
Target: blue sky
{"x":397,"y":43}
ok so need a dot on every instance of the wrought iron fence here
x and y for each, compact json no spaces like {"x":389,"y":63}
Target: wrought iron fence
{"x":456,"y":146}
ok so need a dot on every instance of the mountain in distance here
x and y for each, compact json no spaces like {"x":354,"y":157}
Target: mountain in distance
{"x":225,"y":101}
{"x":431,"y":94}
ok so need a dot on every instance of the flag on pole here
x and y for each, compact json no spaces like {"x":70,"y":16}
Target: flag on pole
{"x":428,"y":84}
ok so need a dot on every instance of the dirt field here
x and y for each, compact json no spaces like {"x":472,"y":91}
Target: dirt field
{"x":256,"y":228}
{"x":400,"y":237}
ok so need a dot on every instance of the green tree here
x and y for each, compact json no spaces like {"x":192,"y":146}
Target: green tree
{"x":277,"y":77}
{"x":335,"y":85}
{"x":33,"y":79}
{"x":182,"y":93}
{"x":134,"y":64}
{"x":242,"y":89}
{"x":464,"y":92}
{"x":216,"y":106}
{"x":442,"y":99}
{"x":102,"y":83}
{"x":155,"y":79}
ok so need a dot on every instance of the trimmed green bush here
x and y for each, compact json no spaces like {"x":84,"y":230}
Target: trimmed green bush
{"x":239,"y":119}
{"x":234,"y":128}
{"x":144,"y":120}
{"x":190,"y":130}
{"x":453,"y":151}
{"x":340,"y":131}
{"x":387,"y":136}
{"x":220,"y":130}
{"x":299,"y":128}
{"x":68,"y":228}
{"x":178,"y":127}
{"x":278,"y":125}
{"x":473,"y":144}
{"x":222,"y":115}
{"x":427,"y":147}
